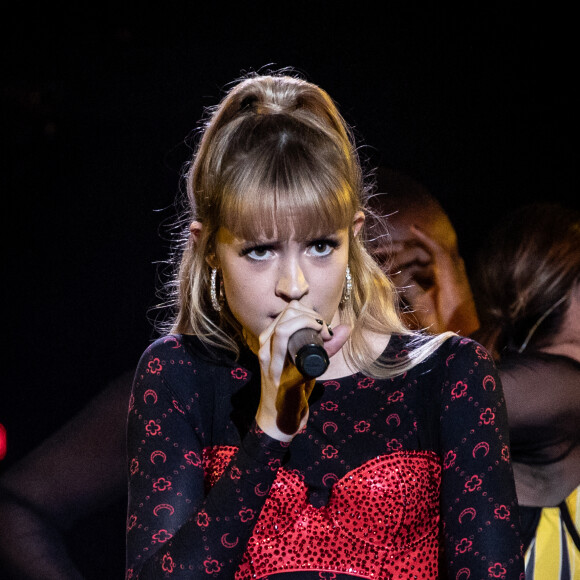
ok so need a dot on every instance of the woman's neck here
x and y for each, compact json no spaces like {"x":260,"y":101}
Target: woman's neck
{"x":339,"y":366}
{"x":547,"y":485}
{"x":571,"y":350}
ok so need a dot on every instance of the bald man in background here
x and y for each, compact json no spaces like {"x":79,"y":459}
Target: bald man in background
{"x":415,"y":243}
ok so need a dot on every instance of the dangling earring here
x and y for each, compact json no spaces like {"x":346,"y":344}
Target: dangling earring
{"x":347,"y":286}
{"x":213,"y":291}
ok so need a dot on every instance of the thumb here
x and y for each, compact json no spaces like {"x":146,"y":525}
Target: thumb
{"x":339,"y":337}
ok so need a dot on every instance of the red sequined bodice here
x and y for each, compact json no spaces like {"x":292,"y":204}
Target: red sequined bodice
{"x":385,"y":511}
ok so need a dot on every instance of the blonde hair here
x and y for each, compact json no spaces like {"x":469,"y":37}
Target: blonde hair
{"x":273,"y":152}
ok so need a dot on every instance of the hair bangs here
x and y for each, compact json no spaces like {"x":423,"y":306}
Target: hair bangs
{"x":295,"y":202}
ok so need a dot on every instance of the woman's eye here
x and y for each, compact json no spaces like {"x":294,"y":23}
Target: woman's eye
{"x":258,"y":253}
{"x":321,"y":248}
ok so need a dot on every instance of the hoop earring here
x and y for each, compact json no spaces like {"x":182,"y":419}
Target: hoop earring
{"x":213,"y":291}
{"x":347,"y":291}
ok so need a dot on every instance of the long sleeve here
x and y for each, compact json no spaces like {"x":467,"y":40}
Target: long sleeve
{"x":177,"y":524}
{"x":73,"y":475}
{"x":478,"y":501}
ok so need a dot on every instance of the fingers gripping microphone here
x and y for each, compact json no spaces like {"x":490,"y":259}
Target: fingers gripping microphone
{"x":309,"y":357}
{"x":306,"y":351}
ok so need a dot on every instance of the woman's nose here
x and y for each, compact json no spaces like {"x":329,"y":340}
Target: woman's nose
{"x":292,"y":284}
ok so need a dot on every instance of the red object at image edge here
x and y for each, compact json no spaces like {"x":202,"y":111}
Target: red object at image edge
{"x":3,"y":444}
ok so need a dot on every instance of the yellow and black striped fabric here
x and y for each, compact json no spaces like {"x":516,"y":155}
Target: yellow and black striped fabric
{"x":554,"y":552}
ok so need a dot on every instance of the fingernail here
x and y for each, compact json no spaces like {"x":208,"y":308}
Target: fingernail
{"x":319,"y":321}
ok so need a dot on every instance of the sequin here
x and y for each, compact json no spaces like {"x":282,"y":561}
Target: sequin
{"x":382,"y":514}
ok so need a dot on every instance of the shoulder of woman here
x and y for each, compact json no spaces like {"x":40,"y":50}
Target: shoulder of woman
{"x":188,"y":348}
{"x":180,"y":365}
{"x":171,"y":345}
{"x":170,"y":358}
{"x":470,"y":375}
{"x":459,"y":349}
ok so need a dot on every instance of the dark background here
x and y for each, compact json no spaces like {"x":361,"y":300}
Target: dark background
{"x":478,"y":102}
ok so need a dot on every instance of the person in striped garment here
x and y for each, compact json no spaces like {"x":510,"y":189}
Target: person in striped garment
{"x":527,"y":288}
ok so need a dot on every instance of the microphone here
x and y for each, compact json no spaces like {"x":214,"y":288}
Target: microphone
{"x":309,"y":357}
{"x":306,"y":351}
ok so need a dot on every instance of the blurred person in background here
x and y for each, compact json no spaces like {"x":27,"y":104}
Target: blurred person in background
{"x":527,"y":288}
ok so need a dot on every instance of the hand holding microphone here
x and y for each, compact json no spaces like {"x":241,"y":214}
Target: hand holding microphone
{"x":307,"y":353}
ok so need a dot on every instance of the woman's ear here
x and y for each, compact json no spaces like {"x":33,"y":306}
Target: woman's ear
{"x":357,"y":223}
{"x":195,"y":231}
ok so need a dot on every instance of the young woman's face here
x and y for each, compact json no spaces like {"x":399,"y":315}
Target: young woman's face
{"x":261,"y":276}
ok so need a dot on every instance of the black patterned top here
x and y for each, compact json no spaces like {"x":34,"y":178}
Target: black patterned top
{"x":408,"y":477}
